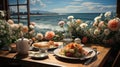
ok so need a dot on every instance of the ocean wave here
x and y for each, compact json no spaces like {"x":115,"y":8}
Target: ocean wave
{"x":47,"y":27}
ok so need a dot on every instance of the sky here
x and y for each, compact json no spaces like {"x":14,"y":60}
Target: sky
{"x":70,"y":6}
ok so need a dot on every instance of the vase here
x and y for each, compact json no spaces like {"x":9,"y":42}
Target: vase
{"x":67,"y":38}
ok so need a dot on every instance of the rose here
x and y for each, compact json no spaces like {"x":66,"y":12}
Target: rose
{"x":114,"y":24}
{"x":14,"y":26}
{"x":32,"y":23}
{"x":84,"y":40}
{"x":95,"y":23}
{"x":49,"y":35}
{"x":61,"y":23}
{"x":97,"y":31}
{"x":101,"y":24}
{"x":83,"y":25}
{"x":25,"y":29}
{"x":107,"y":14}
{"x":78,"y":21}
{"x":106,"y":31}
{"x":10,"y":21}
{"x":39,"y":36}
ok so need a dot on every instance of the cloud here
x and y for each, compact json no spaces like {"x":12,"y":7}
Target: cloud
{"x":34,"y":2}
{"x":76,"y":6}
{"x":74,"y":3}
{"x":67,"y":9}
{"x":78,"y":0}
{"x":89,"y":4}
{"x":98,"y":7}
{"x":13,"y":9}
{"x":23,"y":8}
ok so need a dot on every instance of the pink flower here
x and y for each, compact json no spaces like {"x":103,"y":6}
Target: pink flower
{"x":49,"y":35}
{"x":101,"y":24}
{"x":14,"y":26}
{"x":39,"y":36}
{"x":78,"y":21}
{"x":95,"y":23}
{"x":25,"y":29}
{"x":114,"y":24}
{"x":61,"y":23}
{"x":84,"y":40}
{"x":10,"y":21}
{"x":32,"y":23}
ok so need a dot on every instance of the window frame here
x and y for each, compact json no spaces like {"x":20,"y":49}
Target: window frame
{"x":18,"y":11}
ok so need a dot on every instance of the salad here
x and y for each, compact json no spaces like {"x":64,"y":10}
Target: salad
{"x":73,"y":50}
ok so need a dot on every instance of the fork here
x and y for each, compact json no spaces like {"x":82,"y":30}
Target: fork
{"x":91,"y":59}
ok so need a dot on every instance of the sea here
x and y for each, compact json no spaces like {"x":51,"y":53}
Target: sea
{"x":50,"y":22}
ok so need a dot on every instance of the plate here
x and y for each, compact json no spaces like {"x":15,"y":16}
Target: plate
{"x":37,"y":55}
{"x":56,"y":45}
{"x":56,"y":52}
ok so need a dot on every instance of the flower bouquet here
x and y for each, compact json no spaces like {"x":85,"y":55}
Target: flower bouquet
{"x":10,"y":31}
{"x":105,"y":29}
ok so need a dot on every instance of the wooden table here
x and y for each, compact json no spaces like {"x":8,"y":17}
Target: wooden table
{"x":53,"y":60}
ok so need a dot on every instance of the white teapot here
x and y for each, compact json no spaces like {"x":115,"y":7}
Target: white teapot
{"x":23,"y":45}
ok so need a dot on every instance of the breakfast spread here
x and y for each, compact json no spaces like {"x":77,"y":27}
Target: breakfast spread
{"x":73,"y":50}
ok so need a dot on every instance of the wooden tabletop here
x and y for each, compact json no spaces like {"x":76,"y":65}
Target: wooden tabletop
{"x":53,"y":60}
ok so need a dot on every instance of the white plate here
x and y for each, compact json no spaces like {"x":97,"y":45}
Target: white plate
{"x":57,"y":51}
{"x":50,"y":47}
{"x":37,"y":55}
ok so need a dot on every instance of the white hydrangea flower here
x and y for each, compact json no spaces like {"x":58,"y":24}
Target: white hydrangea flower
{"x":14,"y":26}
{"x":106,"y":31}
{"x":70,"y":17}
{"x":91,"y":30}
{"x":107,"y":14}
{"x":97,"y":31}
{"x":39,"y":36}
{"x":69,"y":24}
{"x":21,"y":25}
{"x":96,"y":19}
{"x":83,"y":25}
{"x":31,"y":26}
{"x":2,"y":13}
{"x":2,"y":26}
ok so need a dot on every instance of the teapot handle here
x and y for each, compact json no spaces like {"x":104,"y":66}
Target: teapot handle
{"x":30,"y":42}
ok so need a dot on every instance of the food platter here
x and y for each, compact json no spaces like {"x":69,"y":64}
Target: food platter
{"x":57,"y":53}
{"x":46,"y":45}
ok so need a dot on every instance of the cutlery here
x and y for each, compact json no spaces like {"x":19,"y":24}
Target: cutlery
{"x":93,"y":58}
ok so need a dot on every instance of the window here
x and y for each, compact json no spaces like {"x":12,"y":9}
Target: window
{"x":47,"y":13}
{"x":19,"y":11}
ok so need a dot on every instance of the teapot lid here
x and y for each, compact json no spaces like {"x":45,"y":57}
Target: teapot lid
{"x":22,"y":39}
